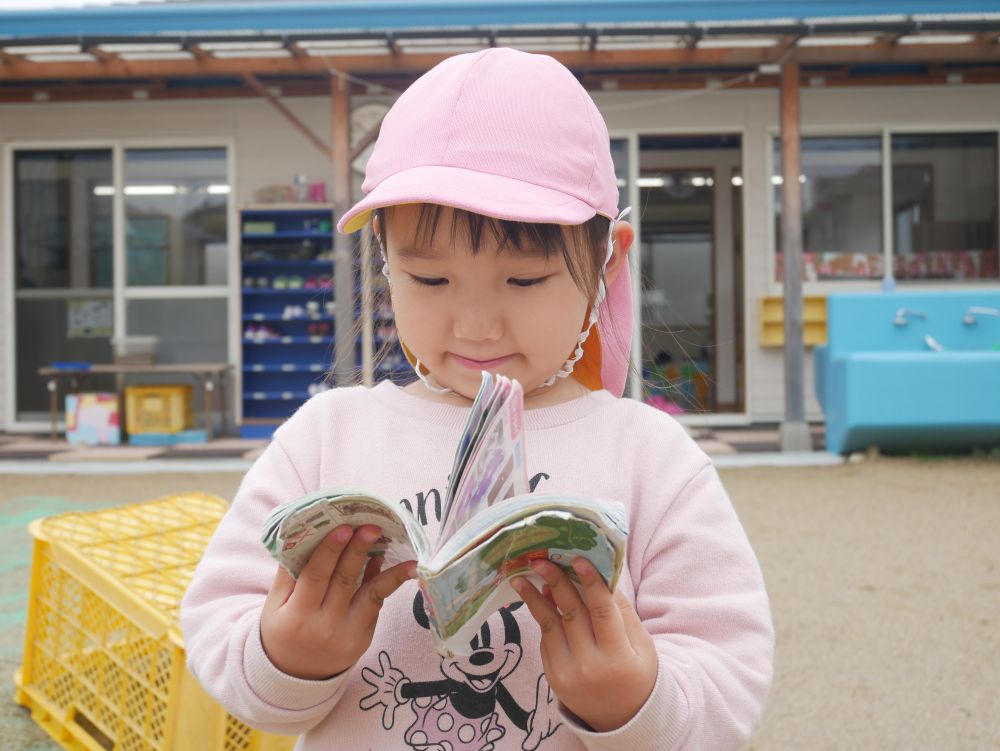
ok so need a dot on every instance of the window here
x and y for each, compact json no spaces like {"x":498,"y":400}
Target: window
{"x":944,"y":203}
{"x":841,"y":182}
{"x":175,"y":209}
{"x":62,"y":219}
{"x":944,"y":196}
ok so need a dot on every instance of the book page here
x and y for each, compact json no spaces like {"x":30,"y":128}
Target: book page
{"x":494,"y":443}
{"x":294,"y":530}
{"x":461,"y":592}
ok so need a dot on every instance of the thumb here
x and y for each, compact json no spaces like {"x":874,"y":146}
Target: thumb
{"x":368,"y":600}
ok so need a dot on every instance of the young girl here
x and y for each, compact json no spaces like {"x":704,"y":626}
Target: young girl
{"x":492,"y":197}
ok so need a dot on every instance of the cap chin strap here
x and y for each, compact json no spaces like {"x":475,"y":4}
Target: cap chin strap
{"x":425,"y":378}
{"x":595,"y":311}
{"x":567,"y":368}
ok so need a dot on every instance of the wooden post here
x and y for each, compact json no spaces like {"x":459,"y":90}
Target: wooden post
{"x":794,"y":431}
{"x":344,"y":371}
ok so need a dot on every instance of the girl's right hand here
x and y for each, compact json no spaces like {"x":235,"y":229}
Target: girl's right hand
{"x":319,"y":625}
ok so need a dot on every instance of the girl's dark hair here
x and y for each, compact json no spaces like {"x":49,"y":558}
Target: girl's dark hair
{"x":582,"y":246}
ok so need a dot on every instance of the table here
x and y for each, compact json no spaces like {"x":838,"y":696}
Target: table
{"x":208,"y":376}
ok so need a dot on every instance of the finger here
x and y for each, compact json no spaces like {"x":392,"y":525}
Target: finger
{"x":634,"y":628}
{"x":373,"y":567}
{"x":547,"y":594}
{"x":546,"y":616}
{"x":347,"y":574}
{"x":281,"y":589}
{"x":605,"y":614}
{"x":314,"y":579}
{"x":368,"y":602}
{"x":572,"y":610}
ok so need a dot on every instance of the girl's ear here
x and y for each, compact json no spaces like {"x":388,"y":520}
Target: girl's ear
{"x":622,"y":239}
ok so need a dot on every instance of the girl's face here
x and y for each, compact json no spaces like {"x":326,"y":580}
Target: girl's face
{"x":514,"y":312}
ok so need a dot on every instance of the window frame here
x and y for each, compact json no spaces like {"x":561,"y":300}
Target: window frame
{"x":885,"y":133}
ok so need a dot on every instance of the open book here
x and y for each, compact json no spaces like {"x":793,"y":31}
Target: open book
{"x":492,"y":526}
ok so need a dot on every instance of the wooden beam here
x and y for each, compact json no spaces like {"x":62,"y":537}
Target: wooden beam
{"x":344,"y":371}
{"x":257,"y":86}
{"x":794,"y":431}
{"x":20,"y":69}
{"x":96,"y":51}
{"x":886,"y":43}
{"x":679,"y":80}
{"x":202,"y":56}
{"x":296,"y":50}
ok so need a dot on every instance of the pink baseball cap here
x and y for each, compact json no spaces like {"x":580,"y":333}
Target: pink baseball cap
{"x":510,"y":135}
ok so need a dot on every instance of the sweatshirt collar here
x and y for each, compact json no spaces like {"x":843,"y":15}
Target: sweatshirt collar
{"x":395,"y":398}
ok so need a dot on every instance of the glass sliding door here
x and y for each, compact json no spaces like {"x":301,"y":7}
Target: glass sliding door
{"x":691,"y":248}
{"x":62,"y":230}
{"x":80,"y":280}
{"x":677,"y":268}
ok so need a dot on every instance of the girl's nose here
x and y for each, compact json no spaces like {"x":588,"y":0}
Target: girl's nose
{"x":478,"y":320}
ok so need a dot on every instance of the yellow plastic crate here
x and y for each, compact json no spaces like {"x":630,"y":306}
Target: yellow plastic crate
{"x":157,"y":409}
{"x":104,"y":656}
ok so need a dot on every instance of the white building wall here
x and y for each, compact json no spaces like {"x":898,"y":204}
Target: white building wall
{"x":268,"y":150}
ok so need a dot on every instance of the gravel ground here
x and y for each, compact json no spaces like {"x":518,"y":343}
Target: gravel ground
{"x":884,"y":578}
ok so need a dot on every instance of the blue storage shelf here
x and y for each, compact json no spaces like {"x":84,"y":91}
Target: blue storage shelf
{"x":278,"y":396}
{"x":297,"y":291}
{"x":283,"y":340}
{"x":280,"y":263}
{"x":285,"y":368}
{"x":286,"y":236}
{"x":264,"y":317}
{"x":287,"y":211}
{"x":278,"y":371}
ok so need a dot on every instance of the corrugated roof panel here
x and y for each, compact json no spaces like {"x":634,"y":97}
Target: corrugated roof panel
{"x":325,"y":15}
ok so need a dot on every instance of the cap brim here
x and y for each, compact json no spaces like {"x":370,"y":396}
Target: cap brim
{"x":491,"y":195}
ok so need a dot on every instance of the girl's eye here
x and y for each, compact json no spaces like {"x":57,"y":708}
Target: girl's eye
{"x":428,"y":282}
{"x":526,"y":282}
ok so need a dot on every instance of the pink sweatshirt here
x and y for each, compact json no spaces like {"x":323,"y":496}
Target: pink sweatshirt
{"x":689,"y":571}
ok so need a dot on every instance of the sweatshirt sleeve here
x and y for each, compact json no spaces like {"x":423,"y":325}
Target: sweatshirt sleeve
{"x":220,"y":612}
{"x":700,"y":593}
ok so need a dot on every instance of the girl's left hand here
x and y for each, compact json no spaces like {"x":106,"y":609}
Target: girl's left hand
{"x":598,"y":657}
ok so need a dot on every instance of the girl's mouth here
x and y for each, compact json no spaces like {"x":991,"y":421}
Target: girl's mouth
{"x":481,"y":364}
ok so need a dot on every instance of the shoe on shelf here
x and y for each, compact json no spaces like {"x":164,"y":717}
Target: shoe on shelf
{"x":249,"y":281}
{"x":280,"y":282}
{"x":263,"y":282}
{"x":295,"y":282}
